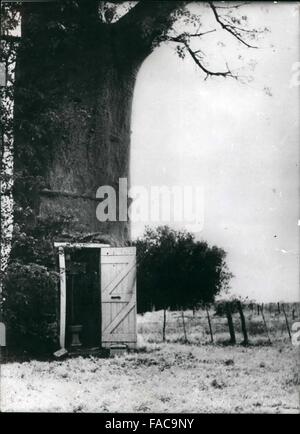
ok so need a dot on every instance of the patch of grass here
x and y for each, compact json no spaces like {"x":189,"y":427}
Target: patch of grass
{"x":165,"y":377}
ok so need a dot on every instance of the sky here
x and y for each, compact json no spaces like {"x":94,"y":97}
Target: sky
{"x":237,"y":141}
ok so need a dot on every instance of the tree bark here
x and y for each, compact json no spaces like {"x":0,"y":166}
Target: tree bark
{"x":230,"y":324}
{"x":73,"y":97}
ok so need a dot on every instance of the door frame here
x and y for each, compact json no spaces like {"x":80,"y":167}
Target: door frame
{"x":61,"y":246}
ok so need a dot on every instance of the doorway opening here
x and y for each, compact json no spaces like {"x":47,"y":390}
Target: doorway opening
{"x":83,"y":298}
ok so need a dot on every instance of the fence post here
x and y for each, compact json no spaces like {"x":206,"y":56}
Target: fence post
{"x":266,"y":327}
{"x":209,"y":324}
{"x":243,"y":322}
{"x":230,"y":324}
{"x":164,"y":325}
{"x":183,"y":325}
{"x":286,"y":321}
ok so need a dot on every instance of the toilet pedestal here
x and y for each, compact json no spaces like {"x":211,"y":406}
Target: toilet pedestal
{"x":75,"y":331}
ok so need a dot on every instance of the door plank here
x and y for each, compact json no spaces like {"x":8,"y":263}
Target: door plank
{"x":118,"y":296}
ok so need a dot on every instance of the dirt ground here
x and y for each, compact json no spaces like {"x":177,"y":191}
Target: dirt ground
{"x":166,"y":377}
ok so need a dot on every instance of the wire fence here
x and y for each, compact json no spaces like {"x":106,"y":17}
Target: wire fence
{"x":263,"y":323}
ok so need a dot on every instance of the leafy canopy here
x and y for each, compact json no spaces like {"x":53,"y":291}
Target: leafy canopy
{"x":176,"y":271}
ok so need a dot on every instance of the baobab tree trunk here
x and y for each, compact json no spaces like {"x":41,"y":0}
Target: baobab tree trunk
{"x":74,"y":90}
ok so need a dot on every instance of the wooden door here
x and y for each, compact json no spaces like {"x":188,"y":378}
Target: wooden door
{"x":118,"y":296}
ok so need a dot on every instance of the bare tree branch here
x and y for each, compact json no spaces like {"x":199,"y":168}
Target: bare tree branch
{"x":195,"y":56}
{"x":242,"y":29}
{"x":198,"y":54}
{"x":233,"y":6}
{"x":157,"y":10}
{"x":148,"y":22}
{"x":184,"y":36}
{"x":233,"y":30}
{"x":192,"y":35}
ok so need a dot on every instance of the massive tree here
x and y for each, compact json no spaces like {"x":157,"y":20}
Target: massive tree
{"x":77,"y":63}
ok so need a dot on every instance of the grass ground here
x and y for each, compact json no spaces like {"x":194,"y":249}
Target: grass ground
{"x":165,"y":377}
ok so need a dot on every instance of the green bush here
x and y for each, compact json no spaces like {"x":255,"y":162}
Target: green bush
{"x":30,"y":308}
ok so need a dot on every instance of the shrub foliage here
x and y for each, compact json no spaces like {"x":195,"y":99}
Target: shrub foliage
{"x":30,"y":298}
